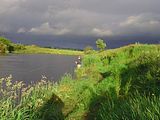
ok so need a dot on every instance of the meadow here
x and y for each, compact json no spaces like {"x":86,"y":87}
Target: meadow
{"x":116,"y":84}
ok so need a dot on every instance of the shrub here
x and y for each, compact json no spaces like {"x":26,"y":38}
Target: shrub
{"x":88,"y":50}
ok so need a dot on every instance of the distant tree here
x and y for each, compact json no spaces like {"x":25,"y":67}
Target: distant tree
{"x":88,"y":50}
{"x":100,"y":44}
{"x":7,"y":43}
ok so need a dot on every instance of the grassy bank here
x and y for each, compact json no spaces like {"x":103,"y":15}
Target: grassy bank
{"x":115,"y":84}
{"x":32,"y":49}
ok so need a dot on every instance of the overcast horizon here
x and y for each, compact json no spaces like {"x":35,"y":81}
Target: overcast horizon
{"x":90,"y":18}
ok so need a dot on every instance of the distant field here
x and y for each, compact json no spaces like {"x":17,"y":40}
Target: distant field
{"x":35,"y":49}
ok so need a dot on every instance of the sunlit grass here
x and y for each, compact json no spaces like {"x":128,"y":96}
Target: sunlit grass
{"x":32,"y":49}
{"x":133,"y":107}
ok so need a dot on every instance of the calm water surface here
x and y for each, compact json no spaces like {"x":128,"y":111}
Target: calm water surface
{"x":30,"y":68}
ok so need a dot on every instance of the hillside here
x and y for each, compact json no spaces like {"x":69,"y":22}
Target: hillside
{"x":116,"y":84}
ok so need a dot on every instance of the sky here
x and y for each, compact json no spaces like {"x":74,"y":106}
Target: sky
{"x":97,"y":18}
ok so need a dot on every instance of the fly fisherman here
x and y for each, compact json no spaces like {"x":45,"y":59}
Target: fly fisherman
{"x":78,"y":62}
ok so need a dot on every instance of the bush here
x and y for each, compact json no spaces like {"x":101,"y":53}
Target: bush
{"x":88,"y":50}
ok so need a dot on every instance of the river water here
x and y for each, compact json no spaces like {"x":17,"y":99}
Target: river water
{"x":30,"y":67}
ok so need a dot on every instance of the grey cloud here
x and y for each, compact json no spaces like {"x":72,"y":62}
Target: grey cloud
{"x":45,"y":29}
{"x":141,"y":24}
{"x":80,"y":17}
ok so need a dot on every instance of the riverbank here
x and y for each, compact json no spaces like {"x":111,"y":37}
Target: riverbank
{"x":32,"y":49}
{"x":111,"y":85}
{"x":6,"y":46}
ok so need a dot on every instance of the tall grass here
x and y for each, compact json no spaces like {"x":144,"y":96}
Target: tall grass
{"x":134,"y":107}
{"x":22,"y":103}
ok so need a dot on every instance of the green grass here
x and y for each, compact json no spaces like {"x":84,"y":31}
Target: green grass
{"x":122,"y":83}
{"x":32,"y":49}
{"x":136,"y":106}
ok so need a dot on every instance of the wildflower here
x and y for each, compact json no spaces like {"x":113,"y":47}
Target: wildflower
{"x":8,"y":81}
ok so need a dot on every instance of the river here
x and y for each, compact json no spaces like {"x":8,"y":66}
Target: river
{"x":30,"y":67}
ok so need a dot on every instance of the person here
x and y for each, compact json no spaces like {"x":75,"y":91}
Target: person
{"x":78,"y":63}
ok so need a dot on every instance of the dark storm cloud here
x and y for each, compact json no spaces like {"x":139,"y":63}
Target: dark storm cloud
{"x":80,"y":17}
